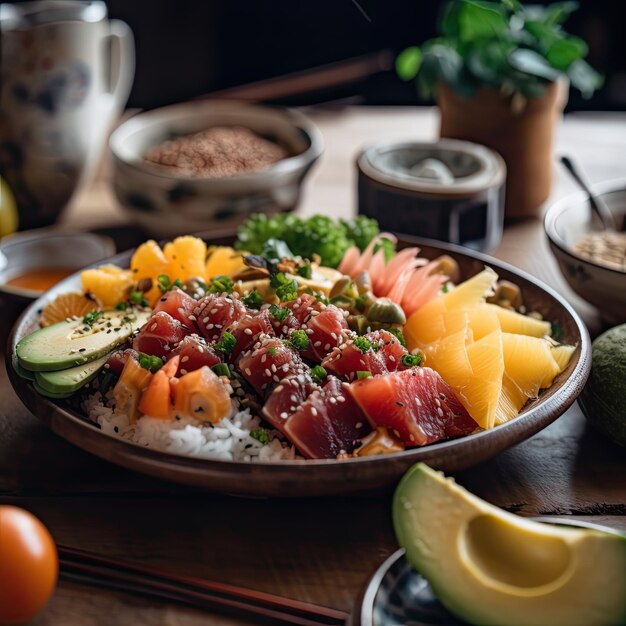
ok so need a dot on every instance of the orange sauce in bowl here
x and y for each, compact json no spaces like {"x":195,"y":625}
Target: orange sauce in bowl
{"x":40,"y":279}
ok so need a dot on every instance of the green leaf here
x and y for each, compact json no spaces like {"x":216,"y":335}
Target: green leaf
{"x":558,"y":12}
{"x":479,"y":20}
{"x":441,"y":63}
{"x":408,"y":63}
{"x":543,"y":35}
{"x":584,"y":77}
{"x":563,"y":52}
{"x":531,"y":62}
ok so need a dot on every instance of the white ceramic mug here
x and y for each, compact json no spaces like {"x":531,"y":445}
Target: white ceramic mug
{"x":66,"y":74}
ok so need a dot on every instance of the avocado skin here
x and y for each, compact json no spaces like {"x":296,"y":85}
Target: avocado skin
{"x":604,"y":397}
{"x":70,"y":380}
{"x":417,"y":498}
{"x":49,"y":394}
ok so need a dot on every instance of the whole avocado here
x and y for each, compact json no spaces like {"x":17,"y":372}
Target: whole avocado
{"x":603,"y":400}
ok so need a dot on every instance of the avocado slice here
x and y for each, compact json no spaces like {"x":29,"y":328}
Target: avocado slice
{"x":70,"y":380}
{"x":491,"y":567}
{"x":70,"y":343}
{"x":20,"y":371}
{"x":48,"y":394}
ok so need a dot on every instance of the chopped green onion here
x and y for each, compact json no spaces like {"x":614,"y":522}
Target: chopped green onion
{"x":305,"y":271}
{"x":226,"y":344}
{"x":149,"y":362}
{"x":136,"y":297}
{"x":253,"y":300}
{"x":364,"y":344}
{"x":411,"y":360}
{"x":121,"y":306}
{"x":221,"y":369}
{"x":92,"y":316}
{"x":279,"y":313}
{"x":397,"y":333}
{"x":221,"y":284}
{"x":261,"y":435}
{"x":272,"y":350}
{"x":298,"y":340}
{"x":319,"y":374}
{"x":361,"y":374}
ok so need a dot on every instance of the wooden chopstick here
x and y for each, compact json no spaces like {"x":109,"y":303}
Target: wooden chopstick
{"x":81,"y":566}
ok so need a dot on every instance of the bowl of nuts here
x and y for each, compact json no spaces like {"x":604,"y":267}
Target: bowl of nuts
{"x":592,"y":259}
{"x":204,"y":164}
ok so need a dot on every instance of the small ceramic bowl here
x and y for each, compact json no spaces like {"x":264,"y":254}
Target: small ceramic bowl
{"x":167,"y":204}
{"x":449,"y":190}
{"x":44,"y":248}
{"x":566,"y":223}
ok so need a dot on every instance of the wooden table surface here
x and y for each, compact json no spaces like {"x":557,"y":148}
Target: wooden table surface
{"x":319,"y":550}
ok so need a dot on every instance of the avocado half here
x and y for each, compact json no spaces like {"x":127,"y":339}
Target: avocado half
{"x":491,"y":567}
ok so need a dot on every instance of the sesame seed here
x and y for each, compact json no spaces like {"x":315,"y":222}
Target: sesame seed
{"x":273,"y":367}
{"x":184,"y":359}
{"x":412,"y":437}
{"x":268,"y":373}
{"x":206,"y":319}
{"x":341,"y":399}
{"x":327,"y":347}
{"x":333,"y":400}
{"x":275,"y":378}
{"x":440,"y":412}
{"x":285,"y":367}
{"x":392,"y":358}
{"x":284,"y":415}
{"x":213,"y":311}
{"x":248,"y":331}
{"x":247,"y":371}
{"x":313,"y":411}
{"x":183,"y":372}
{"x":264,"y":358}
{"x":279,"y":388}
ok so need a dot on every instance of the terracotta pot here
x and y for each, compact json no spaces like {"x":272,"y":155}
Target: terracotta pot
{"x":523,"y":137}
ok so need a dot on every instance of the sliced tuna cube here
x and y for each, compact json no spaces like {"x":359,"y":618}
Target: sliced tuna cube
{"x":385,"y":356}
{"x":217,"y":314}
{"x":416,"y":404}
{"x":327,"y":423}
{"x":115,"y":363}
{"x":179,"y":305}
{"x":269,"y":361}
{"x":194,"y":353}
{"x":160,"y":335}
{"x":247,"y":331}
{"x":303,"y":306}
{"x":286,"y":398}
{"x":324,"y":329}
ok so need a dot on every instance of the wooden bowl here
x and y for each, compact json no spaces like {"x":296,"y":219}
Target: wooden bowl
{"x":326,"y":477}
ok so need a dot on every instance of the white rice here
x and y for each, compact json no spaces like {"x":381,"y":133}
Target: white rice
{"x":229,"y":439}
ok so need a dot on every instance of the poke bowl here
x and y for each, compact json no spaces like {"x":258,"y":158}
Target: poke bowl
{"x":272,"y":408}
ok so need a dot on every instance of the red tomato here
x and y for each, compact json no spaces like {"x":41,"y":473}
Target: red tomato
{"x":28,"y":565}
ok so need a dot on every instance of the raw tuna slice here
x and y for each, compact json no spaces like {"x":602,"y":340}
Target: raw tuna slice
{"x":179,"y":305}
{"x":303,"y":306}
{"x":194,"y":353}
{"x":324,"y":329}
{"x":386,"y":355}
{"x":416,"y":404}
{"x":115,"y":363}
{"x":286,"y":398}
{"x":269,"y":362}
{"x":216,"y":314}
{"x":160,"y":335}
{"x":248,"y":330}
{"x":328,"y":423}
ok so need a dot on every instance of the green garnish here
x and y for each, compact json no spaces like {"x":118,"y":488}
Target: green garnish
{"x":165,"y":284}
{"x":121,"y":306}
{"x":149,"y":362}
{"x":286,"y":288}
{"x":397,"y":333}
{"x":275,"y":250}
{"x":318,"y":373}
{"x":411,"y":360}
{"x":226,"y":343}
{"x":107,"y":381}
{"x":92,"y":316}
{"x":279,"y":313}
{"x":319,"y":296}
{"x":136,"y":297}
{"x":272,"y":350}
{"x":319,"y":234}
{"x":221,"y":284}
{"x":556,"y":331}
{"x":261,"y":435}
{"x":364,"y":344}
{"x":298,"y":340}
{"x":254,"y":300}
{"x":305,"y":271}
{"x":361,"y":374}
{"x":221,"y":369}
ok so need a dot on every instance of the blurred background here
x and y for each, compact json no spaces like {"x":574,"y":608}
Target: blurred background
{"x":213,"y":46}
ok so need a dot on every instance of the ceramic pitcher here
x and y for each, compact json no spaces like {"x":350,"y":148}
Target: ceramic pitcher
{"x":66,"y":72}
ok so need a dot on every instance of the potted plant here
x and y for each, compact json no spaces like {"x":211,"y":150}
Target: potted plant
{"x":500,"y":72}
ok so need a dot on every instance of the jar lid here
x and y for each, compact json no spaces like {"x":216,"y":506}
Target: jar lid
{"x":448,"y":167}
